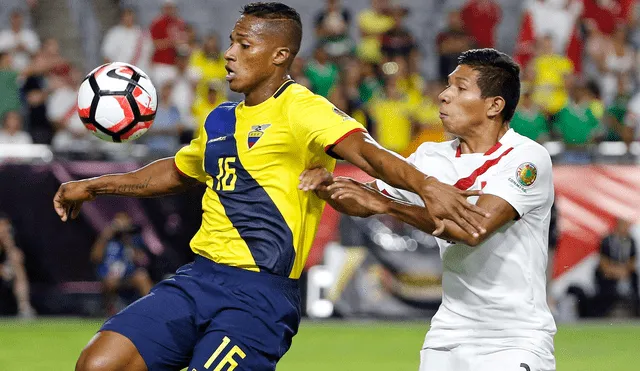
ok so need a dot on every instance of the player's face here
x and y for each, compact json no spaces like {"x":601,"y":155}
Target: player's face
{"x":462,"y":107}
{"x":250,"y":54}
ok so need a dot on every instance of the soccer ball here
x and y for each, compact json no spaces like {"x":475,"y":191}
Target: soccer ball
{"x":117,"y":102}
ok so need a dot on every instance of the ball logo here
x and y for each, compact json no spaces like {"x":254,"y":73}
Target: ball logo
{"x":526,"y":174}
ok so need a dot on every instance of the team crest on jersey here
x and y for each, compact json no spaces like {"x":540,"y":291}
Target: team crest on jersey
{"x":526,"y":174}
{"x":257,"y":131}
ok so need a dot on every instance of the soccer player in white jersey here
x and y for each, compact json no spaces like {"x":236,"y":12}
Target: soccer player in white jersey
{"x":494,"y":314}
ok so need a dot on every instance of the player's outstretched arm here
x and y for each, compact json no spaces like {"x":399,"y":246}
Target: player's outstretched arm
{"x":442,"y":200}
{"x":348,"y":194}
{"x":159,"y":178}
{"x":319,"y":179}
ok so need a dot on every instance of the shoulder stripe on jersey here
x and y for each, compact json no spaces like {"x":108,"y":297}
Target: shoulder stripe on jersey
{"x":466,"y":183}
{"x":247,"y":205}
{"x":283,"y":88}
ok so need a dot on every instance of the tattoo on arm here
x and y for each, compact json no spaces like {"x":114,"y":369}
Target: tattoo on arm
{"x":127,"y":188}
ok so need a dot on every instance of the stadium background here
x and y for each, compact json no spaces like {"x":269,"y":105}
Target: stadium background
{"x":377,"y":281}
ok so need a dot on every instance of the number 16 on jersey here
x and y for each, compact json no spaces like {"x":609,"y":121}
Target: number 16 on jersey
{"x":226,"y":178}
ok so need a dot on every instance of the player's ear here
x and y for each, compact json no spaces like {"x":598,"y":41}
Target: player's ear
{"x":494,"y":105}
{"x":281,"y":56}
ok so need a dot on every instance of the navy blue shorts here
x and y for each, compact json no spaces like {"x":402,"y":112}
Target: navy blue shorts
{"x":211,"y":317}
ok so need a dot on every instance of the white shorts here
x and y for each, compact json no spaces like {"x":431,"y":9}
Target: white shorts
{"x":477,"y":358}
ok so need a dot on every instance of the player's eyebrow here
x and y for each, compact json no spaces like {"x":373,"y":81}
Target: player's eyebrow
{"x":463,"y":79}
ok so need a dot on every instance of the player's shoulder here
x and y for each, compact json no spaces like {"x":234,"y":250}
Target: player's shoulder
{"x":527,"y":148}
{"x":437,"y":148}
{"x":222,"y":111}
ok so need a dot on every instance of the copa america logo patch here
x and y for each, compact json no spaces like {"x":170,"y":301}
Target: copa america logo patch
{"x":526,"y":174}
{"x":257,"y":131}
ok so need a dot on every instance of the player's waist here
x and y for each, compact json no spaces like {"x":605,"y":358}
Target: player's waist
{"x":208,"y":266}
{"x":532,"y":339}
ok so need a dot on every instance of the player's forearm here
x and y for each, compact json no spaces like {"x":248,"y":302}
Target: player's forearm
{"x":420,"y":218}
{"x":344,"y":206}
{"x":383,"y":164}
{"x":159,"y":178}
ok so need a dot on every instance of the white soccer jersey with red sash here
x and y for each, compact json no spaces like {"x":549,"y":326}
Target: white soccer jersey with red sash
{"x":494,"y":293}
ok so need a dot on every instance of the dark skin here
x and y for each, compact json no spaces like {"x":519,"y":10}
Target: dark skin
{"x":258,"y":59}
{"x":477,"y":122}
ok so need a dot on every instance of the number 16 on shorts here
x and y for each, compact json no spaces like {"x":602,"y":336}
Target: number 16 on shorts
{"x":228,"y":359}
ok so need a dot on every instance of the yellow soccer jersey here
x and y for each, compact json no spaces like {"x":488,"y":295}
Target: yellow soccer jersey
{"x":254,"y":217}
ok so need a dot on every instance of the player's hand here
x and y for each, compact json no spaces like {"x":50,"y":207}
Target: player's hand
{"x":70,"y":197}
{"x":316,"y":179}
{"x":447,"y":202}
{"x":369,"y":200}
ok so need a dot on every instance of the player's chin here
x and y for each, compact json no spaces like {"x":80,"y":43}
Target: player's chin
{"x":237,"y":86}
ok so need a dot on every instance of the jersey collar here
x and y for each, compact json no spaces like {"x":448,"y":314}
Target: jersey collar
{"x":490,"y":150}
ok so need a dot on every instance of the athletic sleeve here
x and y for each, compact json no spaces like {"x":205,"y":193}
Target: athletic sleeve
{"x":524,"y":179}
{"x":319,"y":123}
{"x":190,"y":159}
{"x":401,"y":194}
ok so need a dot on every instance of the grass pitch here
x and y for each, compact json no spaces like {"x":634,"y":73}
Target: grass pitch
{"x":54,"y":344}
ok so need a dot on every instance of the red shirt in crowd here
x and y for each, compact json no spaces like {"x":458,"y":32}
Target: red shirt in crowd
{"x":165,"y":27}
{"x":480,"y":18}
{"x":607,"y":13}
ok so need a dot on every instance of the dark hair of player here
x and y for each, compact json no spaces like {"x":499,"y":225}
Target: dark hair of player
{"x":498,"y":76}
{"x":287,"y":17}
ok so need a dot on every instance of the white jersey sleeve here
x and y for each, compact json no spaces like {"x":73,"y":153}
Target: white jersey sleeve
{"x":401,"y":194}
{"x":523,"y":178}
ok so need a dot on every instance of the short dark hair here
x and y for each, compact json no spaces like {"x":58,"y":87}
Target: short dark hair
{"x":498,"y":76}
{"x":280,"y":12}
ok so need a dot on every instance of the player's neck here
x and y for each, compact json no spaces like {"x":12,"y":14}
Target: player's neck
{"x":483,"y":139}
{"x":265,"y":90}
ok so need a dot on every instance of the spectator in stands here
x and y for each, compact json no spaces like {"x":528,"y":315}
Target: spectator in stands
{"x":11,"y":132}
{"x":167,"y":33}
{"x":120,"y":255}
{"x":451,"y":42}
{"x":9,"y":90}
{"x":577,"y":125}
{"x":164,"y":139}
{"x":191,"y":39}
{"x":70,"y":134}
{"x":204,"y":105}
{"x":208,"y":63}
{"x":551,"y":77}
{"x":607,"y":14}
{"x":36,"y":90}
{"x":617,"y":265}
{"x":370,"y":82}
{"x":428,"y":117}
{"x":184,"y":88}
{"x":297,"y":72}
{"x":613,"y":120}
{"x":127,"y":42}
{"x":480,"y":19}
{"x":528,"y":120}
{"x":21,"y":42}
{"x":12,"y":269}
{"x":372,"y":23}
{"x":398,"y":41}
{"x":332,"y":29}
{"x":393,"y":116}
{"x":321,"y":72}
{"x":619,"y":60}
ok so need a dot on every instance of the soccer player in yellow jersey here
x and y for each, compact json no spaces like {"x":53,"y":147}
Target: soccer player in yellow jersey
{"x":237,"y":306}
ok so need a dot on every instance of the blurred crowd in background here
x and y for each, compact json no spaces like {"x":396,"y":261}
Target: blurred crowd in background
{"x":579,"y":62}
